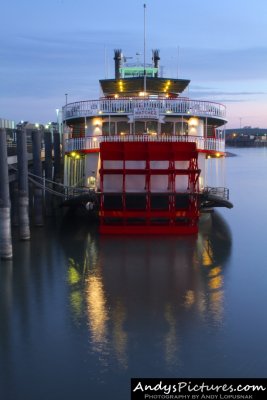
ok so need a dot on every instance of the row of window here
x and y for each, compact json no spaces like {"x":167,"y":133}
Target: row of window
{"x":139,"y":127}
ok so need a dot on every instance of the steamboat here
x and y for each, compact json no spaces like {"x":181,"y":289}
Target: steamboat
{"x":151,"y":157}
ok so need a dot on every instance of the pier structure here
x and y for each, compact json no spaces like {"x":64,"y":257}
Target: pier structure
{"x":27,"y":170}
{"x":23,"y":186}
{"x":37,"y":171}
{"x":6,"y":251}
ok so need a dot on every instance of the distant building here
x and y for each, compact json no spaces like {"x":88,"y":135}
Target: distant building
{"x":247,"y":130}
{"x":246,"y":136}
{"x":9,"y":126}
{"x":6,"y":123}
{"x":30,"y":127}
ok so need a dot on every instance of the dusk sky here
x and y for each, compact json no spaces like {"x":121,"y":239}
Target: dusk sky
{"x":52,"y":47}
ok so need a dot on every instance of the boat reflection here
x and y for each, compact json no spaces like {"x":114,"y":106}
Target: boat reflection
{"x":147,"y":290}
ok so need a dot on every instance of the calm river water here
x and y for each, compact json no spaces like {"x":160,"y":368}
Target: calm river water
{"x":82,"y":314}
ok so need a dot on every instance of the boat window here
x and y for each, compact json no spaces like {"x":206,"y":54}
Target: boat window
{"x":139,"y":127}
{"x":181,"y":128}
{"x":152,"y":126}
{"x":108,"y":128}
{"x":123,"y":127}
{"x":167,"y":128}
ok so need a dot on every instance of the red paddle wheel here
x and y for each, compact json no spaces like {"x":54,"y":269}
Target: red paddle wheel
{"x":146,"y":210}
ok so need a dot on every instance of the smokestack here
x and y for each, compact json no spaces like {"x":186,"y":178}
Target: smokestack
{"x":118,"y":57}
{"x":155,"y":59}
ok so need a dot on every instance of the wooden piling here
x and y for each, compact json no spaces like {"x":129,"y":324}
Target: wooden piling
{"x":56,"y":137}
{"x":23,"y":186}
{"x":14,"y":196}
{"x":6,"y":251}
{"x":48,"y":170}
{"x":48,"y":155}
{"x":37,"y":171}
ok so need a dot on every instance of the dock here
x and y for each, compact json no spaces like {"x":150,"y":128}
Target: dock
{"x":30,"y":180}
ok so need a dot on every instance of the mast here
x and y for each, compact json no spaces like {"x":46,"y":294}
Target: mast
{"x":144,"y":49}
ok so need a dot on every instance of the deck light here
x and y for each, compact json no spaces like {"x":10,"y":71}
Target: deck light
{"x":120,"y":86}
{"x":91,"y":181}
{"x":193,"y":122}
{"x":97,"y":122}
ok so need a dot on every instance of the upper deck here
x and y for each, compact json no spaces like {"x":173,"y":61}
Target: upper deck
{"x":164,"y":107}
{"x":138,"y":91}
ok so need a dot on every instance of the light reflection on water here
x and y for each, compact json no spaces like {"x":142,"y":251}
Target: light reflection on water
{"x":127,"y":285}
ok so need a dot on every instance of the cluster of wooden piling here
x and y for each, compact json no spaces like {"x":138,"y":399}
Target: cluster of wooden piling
{"x":20,"y":205}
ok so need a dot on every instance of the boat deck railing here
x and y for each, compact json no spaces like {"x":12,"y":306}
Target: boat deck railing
{"x":217,"y":191}
{"x":93,"y":142}
{"x":180,"y":106}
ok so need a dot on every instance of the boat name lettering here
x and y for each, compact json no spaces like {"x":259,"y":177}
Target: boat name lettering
{"x":146,"y":112}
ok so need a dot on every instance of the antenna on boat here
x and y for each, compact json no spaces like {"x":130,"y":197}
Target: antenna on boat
{"x":144,"y":49}
{"x":178,"y":56}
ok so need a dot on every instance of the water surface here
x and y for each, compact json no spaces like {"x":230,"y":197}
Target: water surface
{"x":82,"y":314}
